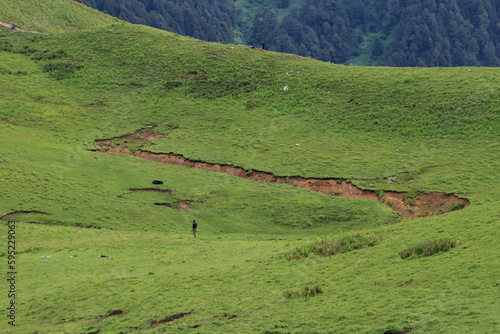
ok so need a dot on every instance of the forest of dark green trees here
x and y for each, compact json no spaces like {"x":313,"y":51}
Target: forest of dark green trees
{"x":209,"y":20}
{"x":363,"y":32}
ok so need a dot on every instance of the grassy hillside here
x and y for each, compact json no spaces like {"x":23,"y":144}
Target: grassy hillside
{"x":401,"y":129}
{"x":51,"y":16}
{"x":238,"y":283}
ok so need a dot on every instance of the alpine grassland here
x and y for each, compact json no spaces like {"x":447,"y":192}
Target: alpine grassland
{"x":100,"y":249}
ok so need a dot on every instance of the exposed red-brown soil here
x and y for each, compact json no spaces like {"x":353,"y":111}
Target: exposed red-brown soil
{"x":423,"y":205}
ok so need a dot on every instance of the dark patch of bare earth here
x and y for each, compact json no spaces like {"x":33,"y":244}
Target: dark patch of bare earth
{"x":113,"y":313}
{"x":170,"y":318}
{"x":163,"y":191}
{"x":11,"y":214}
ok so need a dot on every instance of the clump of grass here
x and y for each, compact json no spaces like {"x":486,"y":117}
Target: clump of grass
{"x":457,"y":206}
{"x":4,"y":70}
{"x":48,"y":54}
{"x":61,"y":70}
{"x":5,"y":46}
{"x":329,"y":246}
{"x":29,"y":250}
{"x":251,"y":104}
{"x":428,"y":248}
{"x":169,"y":85}
{"x":25,"y":49}
{"x":411,"y":196}
{"x":305,"y":292}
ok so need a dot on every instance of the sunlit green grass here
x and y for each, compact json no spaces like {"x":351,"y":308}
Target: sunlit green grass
{"x":51,"y":16}
{"x":401,"y":122}
{"x":428,"y":129}
{"x":75,"y":186}
{"x":246,"y":276}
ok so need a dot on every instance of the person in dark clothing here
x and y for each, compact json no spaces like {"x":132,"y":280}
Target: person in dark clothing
{"x":195,"y":225}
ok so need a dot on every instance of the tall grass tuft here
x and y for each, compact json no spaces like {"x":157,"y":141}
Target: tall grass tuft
{"x":411,"y":196}
{"x":305,"y":292}
{"x":428,"y":248}
{"x":329,"y":246}
{"x":61,"y":70}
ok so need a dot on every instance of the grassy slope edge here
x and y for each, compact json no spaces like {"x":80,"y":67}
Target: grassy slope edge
{"x":51,"y":16}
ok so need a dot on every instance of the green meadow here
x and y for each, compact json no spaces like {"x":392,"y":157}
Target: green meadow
{"x":79,"y":76}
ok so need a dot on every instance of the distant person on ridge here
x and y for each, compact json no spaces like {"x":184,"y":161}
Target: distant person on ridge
{"x":195,"y":225}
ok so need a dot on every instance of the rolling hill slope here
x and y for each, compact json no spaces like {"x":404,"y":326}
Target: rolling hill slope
{"x":51,"y":16}
{"x":381,"y":129}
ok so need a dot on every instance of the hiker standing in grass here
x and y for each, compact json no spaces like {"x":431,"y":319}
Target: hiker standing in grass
{"x":195,"y":225}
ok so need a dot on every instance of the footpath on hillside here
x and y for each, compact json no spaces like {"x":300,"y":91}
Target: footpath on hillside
{"x":9,"y":25}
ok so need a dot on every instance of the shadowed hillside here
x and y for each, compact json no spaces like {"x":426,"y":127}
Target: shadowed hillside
{"x":362,"y":32}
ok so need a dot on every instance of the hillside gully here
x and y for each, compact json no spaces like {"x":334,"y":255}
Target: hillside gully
{"x":424,"y":205}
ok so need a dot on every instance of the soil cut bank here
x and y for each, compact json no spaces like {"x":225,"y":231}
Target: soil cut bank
{"x":422,"y":205}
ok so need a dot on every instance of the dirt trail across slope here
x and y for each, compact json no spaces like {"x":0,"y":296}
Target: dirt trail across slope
{"x":422,"y":205}
{"x":8,"y":25}
{"x":11,"y":214}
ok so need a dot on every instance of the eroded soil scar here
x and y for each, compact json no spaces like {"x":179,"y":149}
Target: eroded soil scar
{"x":113,"y":313}
{"x":170,"y":318}
{"x":141,"y":136}
{"x":10,"y":214}
{"x":162,"y":191}
{"x":422,"y":205}
{"x":178,"y":204}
